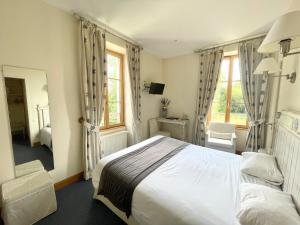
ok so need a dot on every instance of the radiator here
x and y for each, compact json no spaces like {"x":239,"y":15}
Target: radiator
{"x":113,"y":142}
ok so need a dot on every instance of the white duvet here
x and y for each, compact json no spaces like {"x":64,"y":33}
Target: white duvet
{"x":198,"y":186}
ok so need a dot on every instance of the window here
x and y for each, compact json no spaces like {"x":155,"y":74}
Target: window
{"x":113,"y":115}
{"x":228,"y":104}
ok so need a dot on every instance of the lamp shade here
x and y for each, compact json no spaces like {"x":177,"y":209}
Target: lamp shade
{"x":268,"y":65}
{"x":285,"y":27}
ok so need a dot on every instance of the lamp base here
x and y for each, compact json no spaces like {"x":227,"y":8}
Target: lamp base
{"x":285,"y":46}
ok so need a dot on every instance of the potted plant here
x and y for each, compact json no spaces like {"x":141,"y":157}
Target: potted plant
{"x":164,"y":107}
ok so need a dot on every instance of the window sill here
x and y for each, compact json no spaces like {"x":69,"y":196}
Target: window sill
{"x":241,"y":127}
{"x":112,"y":130}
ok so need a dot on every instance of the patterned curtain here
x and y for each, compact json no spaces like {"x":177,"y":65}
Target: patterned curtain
{"x":255,"y":92}
{"x":210,"y":64}
{"x":133,"y":59}
{"x":93,"y":84}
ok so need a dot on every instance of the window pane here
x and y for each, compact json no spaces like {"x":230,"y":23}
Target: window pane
{"x":113,"y":66}
{"x":218,"y":108}
{"x":113,"y":90}
{"x":238,"y":113}
{"x":224,"y":72}
{"x":114,"y":113}
{"x":102,"y":120}
{"x":236,"y":70}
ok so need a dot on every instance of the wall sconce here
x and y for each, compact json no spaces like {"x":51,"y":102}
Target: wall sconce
{"x":284,"y":35}
{"x":269,"y":66}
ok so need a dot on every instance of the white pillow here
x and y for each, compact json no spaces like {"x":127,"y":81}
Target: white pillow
{"x":261,"y":205}
{"x":263,"y":166}
{"x":224,"y":136}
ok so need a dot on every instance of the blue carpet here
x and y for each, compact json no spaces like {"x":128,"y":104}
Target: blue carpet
{"x":23,"y":153}
{"x":76,"y":206}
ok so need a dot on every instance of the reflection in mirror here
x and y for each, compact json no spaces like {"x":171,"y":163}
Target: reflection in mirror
{"x":28,"y":107}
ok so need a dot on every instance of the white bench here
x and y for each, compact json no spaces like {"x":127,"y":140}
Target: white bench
{"x":28,"y":168}
{"x":28,"y":199}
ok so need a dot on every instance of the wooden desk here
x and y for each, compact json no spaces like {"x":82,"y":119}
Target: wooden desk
{"x":182,"y":124}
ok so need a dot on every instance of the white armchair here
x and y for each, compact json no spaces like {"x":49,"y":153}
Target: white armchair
{"x":221,"y":136}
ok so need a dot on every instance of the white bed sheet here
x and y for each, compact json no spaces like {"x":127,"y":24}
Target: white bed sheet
{"x":198,"y":186}
{"x":46,"y":137}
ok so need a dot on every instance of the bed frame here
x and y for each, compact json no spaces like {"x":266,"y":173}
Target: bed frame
{"x":287,"y":152}
{"x":43,"y":116}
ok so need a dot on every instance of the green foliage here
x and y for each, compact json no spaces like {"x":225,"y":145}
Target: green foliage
{"x":237,"y":101}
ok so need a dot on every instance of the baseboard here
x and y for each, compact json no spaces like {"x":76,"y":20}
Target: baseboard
{"x":70,"y":180}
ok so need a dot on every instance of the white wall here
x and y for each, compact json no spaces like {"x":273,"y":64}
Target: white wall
{"x":151,"y":70}
{"x":40,"y":36}
{"x":181,"y":77}
{"x":290,"y":93}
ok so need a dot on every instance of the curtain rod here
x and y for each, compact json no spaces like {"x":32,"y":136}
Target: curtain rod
{"x":230,"y":42}
{"x":108,"y":29}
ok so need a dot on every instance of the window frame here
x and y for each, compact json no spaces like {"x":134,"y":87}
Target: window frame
{"x":231,"y":59}
{"x":107,"y":126}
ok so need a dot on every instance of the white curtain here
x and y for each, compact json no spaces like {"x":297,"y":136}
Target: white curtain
{"x":255,"y":92}
{"x":93,"y":84}
{"x":133,"y":59}
{"x":210,"y":64}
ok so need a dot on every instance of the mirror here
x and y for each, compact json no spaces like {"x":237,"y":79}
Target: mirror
{"x":28,"y":108}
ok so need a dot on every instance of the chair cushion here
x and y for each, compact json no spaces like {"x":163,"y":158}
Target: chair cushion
{"x":221,"y":127}
{"x":219,"y":142}
{"x":163,"y":133}
{"x":225,"y":136}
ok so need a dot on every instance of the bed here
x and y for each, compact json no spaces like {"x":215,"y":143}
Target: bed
{"x":199,"y":185}
{"x":45,"y":134}
{"x":46,"y":137}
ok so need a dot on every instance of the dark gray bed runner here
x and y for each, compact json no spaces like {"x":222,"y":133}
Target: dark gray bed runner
{"x":120,"y":176}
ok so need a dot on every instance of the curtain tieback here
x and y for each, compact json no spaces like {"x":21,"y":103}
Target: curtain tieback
{"x":91,"y":127}
{"x":201,"y":118}
{"x":255,"y":123}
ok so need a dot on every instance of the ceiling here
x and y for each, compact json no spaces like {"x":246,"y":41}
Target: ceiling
{"x":168,"y":28}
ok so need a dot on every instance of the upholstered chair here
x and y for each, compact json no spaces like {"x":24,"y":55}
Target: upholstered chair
{"x":221,"y":136}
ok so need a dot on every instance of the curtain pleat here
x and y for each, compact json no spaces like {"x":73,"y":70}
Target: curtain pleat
{"x":93,"y":84}
{"x":255,"y":93}
{"x":210,"y":64}
{"x":133,"y":59}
